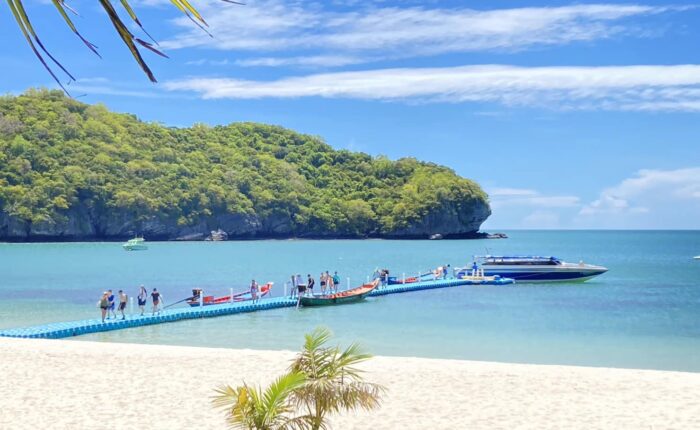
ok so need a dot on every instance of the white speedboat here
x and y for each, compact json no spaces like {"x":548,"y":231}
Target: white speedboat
{"x":697,"y":257}
{"x":537,"y":269}
{"x":135,"y":244}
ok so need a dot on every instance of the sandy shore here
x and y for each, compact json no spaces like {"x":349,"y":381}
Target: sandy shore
{"x":86,"y":385}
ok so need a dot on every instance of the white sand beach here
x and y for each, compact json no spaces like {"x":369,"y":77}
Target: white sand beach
{"x":52,"y":384}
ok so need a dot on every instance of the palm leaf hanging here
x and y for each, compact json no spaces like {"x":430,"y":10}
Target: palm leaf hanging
{"x":130,"y":40}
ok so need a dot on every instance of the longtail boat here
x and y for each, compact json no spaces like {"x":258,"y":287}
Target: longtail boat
{"x":347,"y":296}
{"x":393,"y":280}
{"x":240,"y":297}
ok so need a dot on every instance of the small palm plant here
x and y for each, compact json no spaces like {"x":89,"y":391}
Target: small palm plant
{"x":332,"y":384}
{"x":322,"y":380}
{"x":254,"y":409}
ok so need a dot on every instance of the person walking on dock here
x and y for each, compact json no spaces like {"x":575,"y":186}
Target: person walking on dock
{"x":142,"y":297}
{"x":445,"y":271}
{"x":110,"y":297}
{"x":123,"y":298}
{"x":254,"y":291}
{"x":157,"y":298}
{"x":104,"y":305}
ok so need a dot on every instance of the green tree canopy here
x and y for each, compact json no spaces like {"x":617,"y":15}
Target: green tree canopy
{"x":59,"y":156}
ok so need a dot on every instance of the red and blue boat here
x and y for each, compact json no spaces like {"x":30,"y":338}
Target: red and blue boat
{"x":239,"y":297}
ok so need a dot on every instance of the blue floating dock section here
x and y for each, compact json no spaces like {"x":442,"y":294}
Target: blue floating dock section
{"x":419,"y":286}
{"x":77,"y":328}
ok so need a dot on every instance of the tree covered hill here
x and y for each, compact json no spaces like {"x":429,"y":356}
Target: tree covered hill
{"x":72,"y":171}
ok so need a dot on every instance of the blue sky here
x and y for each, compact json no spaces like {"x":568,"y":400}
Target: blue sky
{"x":571,"y":115}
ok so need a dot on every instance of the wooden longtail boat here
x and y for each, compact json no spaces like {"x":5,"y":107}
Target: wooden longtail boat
{"x":395,"y":280}
{"x":347,"y":296}
{"x":398,"y":281}
{"x":240,"y":297}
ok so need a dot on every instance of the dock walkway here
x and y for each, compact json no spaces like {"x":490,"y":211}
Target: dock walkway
{"x":77,"y":328}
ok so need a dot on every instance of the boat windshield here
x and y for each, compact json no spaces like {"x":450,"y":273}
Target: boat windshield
{"x":521,"y":261}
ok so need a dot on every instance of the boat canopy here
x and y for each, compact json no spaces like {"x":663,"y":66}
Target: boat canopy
{"x":525,"y":260}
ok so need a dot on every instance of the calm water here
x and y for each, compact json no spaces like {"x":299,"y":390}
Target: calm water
{"x":643,"y":313}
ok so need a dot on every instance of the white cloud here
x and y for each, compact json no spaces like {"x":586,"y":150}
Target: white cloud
{"x":629,"y":88}
{"x":511,"y":192}
{"x":542,"y":219}
{"x":304,"y":61}
{"x":508,"y":197}
{"x":529,"y":208}
{"x":370,"y":31}
{"x":205,"y":62}
{"x":646,"y":191}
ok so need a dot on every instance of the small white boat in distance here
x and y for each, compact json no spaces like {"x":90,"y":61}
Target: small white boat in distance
{"x":697,"y":257}
{"x":538,"y":269}
{"x":135,"y":244}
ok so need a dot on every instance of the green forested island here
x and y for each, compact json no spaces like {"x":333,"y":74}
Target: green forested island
{"x":73,"y":171}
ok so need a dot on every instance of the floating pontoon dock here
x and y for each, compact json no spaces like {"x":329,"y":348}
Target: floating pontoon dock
{"x":77,"y":328}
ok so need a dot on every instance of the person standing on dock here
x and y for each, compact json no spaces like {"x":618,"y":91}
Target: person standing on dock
{"x":157,"y":298}
{"x":330,"y":285}
{"x":104,"y":305}
{"x":336,"y":281}
{"x":445,"y":271}
{"x":310,"y":282}
{"x":294,"y":287}
{"x":142,"y":297}
{"x":110,"y":297}
{"x":322,"y":280}
{"x":123,"y":298}
{"x":300,"y":284}
{"x":254,"y":291}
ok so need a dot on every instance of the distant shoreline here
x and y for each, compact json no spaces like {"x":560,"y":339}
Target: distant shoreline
{"x":465,"y":236}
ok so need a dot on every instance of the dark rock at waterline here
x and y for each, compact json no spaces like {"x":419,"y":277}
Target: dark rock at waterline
{"x":91,"y":222}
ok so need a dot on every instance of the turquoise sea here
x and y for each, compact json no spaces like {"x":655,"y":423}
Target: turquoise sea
{"x":643,"y":313}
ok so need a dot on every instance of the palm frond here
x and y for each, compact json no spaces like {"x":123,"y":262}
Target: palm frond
{"x":275,"y":398}
{"x":255,"y":408}
{"x":18,"y":11}
{"x":333,"y":383}
{"x":62,"y":7}
{"x":130,"y":40}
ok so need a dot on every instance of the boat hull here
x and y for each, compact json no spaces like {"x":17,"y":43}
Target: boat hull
{"x":548,"y":274}
{"x":344,"y":297}
{"x":321,"y":301}
{"x":135,"y":247}
{"x":484,"y":280}
{"x":397,"y":281}
{"x":244,"y":297}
